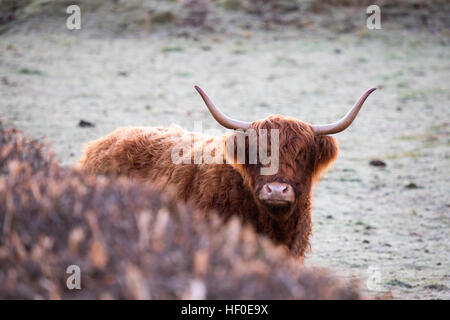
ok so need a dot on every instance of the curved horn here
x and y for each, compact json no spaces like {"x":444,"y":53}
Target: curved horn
{"x":345,"y":122}
{"x":221,"y":118}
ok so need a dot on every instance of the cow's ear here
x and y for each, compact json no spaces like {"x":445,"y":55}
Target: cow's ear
{"x":327,"y":151}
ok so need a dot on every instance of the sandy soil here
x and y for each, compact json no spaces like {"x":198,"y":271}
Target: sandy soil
{"x":367,"y":221}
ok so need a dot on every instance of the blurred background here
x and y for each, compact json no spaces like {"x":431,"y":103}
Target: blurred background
{"x":381,"y":213}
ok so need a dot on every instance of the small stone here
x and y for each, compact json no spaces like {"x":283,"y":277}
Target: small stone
{"x":84,"y":124}
{"x":377,"y":163}
{"x":412,"y":185}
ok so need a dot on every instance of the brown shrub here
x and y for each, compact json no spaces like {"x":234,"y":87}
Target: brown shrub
{"x":130,"y":241}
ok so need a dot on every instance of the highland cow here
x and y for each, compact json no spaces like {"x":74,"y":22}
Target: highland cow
{"x":278,"y":204}
{"x":130,"y":241}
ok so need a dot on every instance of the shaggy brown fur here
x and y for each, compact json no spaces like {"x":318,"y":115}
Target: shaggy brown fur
{"x":228,"y":189}
{"x":130,"y":241}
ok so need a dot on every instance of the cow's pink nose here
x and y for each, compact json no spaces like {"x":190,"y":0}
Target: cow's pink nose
{"x":277,"y":192}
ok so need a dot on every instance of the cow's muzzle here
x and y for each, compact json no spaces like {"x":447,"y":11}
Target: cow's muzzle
{"x":277,"y":194}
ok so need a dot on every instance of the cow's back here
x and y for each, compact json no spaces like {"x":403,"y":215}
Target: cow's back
{"x":134,"y":151}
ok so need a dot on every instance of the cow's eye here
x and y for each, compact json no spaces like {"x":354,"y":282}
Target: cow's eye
{"x":300,"y":156}
{"x":303,"y":160}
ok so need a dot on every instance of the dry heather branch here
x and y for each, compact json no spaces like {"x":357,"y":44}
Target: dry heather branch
{"x":130,"y":241}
